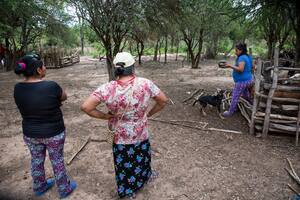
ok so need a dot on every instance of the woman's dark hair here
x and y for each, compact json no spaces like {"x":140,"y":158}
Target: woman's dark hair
{"x":123,"y":71}
{"x":28,"y":65}
{"x":242,"y":47}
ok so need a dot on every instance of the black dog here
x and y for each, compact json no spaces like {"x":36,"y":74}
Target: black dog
{"x":213,"y":100}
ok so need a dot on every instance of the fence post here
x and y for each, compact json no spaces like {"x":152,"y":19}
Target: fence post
{"x":256,"y":91}
{"x":271,"y":93}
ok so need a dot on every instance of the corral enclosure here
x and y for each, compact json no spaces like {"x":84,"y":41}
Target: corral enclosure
{"x":193,"y":164}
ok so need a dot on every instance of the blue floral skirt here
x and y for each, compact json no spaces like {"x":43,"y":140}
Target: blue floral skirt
{"x":132,"y":166}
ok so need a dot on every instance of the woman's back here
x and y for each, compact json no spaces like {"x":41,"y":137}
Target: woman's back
{"x":129,"y":106}
{"x":39,"y":104}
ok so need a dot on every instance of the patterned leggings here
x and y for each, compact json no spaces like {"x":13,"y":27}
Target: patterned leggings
{"x":240,"y":89}
{"x":54,"y":145}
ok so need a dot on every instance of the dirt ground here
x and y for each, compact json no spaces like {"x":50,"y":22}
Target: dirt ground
{"x":193,"y":164}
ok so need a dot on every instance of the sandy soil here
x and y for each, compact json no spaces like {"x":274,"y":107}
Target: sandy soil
{"x":193,"y":164}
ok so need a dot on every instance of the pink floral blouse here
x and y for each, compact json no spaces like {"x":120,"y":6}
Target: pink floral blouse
{"x":119,"y":98}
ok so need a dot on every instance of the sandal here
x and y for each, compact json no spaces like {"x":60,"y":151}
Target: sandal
{"x":132,"y":196}
{"x":73,"y":186}
{"x":154,"y":175}
{"x":227,"y":114}
{"x":50,"y":182}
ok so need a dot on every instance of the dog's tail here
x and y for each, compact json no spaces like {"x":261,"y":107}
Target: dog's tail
{"x":195,"y":102}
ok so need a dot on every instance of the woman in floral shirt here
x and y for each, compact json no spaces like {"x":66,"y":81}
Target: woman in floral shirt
{"x":127,"y":100}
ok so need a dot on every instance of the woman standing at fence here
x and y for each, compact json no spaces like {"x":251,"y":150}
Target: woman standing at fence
{"x":39,"y":103}
{"x":242,"y":76}
{"x":128,"y":99}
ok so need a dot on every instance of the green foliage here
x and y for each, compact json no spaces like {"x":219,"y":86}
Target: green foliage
{"x":214,"y":26}
{"x":26,"y":22}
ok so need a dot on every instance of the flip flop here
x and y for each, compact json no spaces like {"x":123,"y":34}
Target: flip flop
{"x":154,"y":175}
{"x":73,"y":186}
{"x":132,"y":196}
{"x":227,"y":114}
{"x":50,"y":183}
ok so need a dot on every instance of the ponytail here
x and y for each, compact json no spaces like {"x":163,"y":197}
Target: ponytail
{"x":28,"y":65}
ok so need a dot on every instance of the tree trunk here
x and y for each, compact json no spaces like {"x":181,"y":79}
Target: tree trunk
{"x":166,"y":49}
{"x":80,"y":20}
{"x":106,"y":41}
{"x":156,"y":50}
{"x":195,"y":63}
{"x":192,"y":56}
{"x":188,"y":56}
{"x":24,"y":36}
{"x":297,"y":57}
{"x":7,"y":43}
{"x":11,"y":54}
{"x":159,"y":51}
{"x":140,"y":49}
{"x":172,"y":45}
{"x":109,"y":65}
{"x":270,"y":45}
{"x":177,"y":50}
{"x":82,"y":38}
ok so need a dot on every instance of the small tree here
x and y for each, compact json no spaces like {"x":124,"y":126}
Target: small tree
{"x":111,"y":20}
{"x":191,"y":20}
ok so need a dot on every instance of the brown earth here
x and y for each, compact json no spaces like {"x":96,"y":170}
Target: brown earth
{"x":193,"y":164}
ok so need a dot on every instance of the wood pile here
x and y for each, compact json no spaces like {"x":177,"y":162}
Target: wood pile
{"x":272,"y":110}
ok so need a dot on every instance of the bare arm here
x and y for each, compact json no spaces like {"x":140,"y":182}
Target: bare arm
{"x":89,"y":106}
{"x":161,"y":101}
{"x":239,"y":68}
{"x":63,"y":96}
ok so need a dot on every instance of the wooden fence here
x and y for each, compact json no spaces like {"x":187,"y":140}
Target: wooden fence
{"x":58,"y":57}
{"x":271,"y":112}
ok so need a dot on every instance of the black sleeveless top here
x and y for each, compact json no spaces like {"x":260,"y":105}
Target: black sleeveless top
{"x":39,"y":104}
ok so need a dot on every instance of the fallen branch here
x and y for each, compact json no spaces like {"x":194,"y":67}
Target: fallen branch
{"x":75,"y":154}
{"x":178,"y":196}
{"x":193,"y":94}
{"x":196,"y":127}
{"x":245,"y":103}
{"x":189,"y":121}
{"x":178,"y":124}
{"x":244,"y":113}
{"x":293,"y":189}
{"x":172,"y":102}
{"x":291,"y":174}
{"x":295,"y":176}
{"x":223,"y":130}
{"x":199,"y":95}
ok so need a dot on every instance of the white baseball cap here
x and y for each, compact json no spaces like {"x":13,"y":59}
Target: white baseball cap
{"x":124,"y":57}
